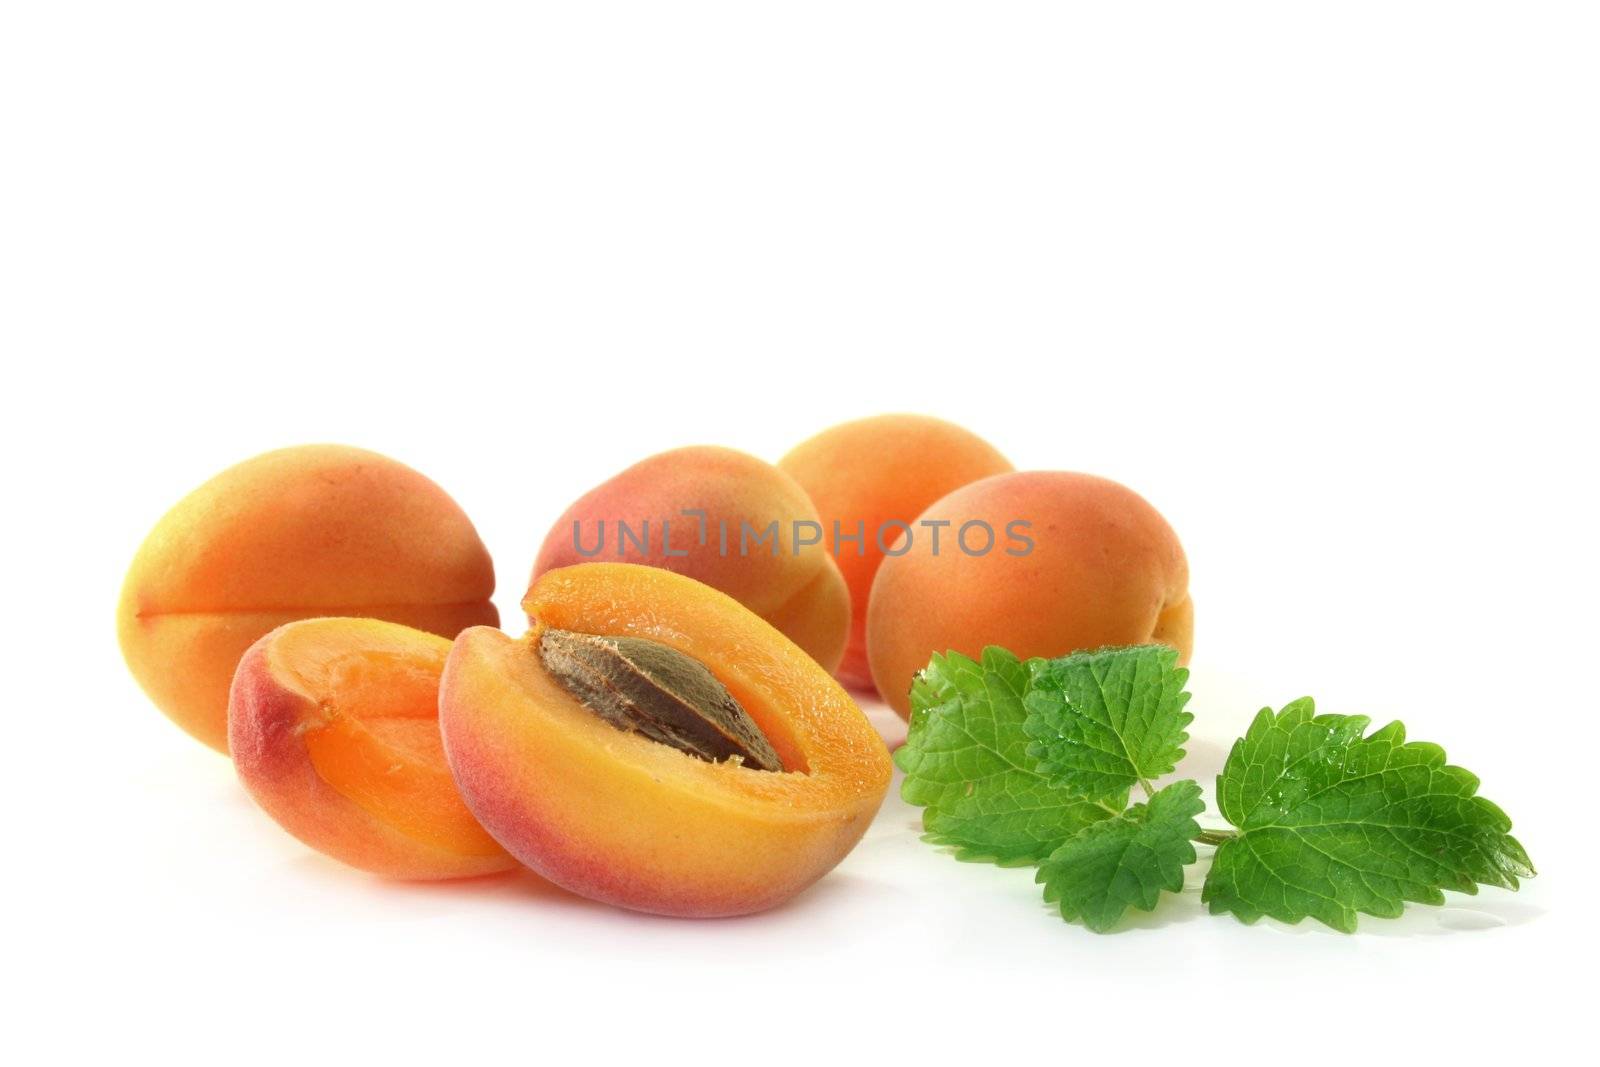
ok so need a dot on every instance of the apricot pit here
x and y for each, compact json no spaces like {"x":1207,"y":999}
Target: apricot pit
{"x":642,"y":685}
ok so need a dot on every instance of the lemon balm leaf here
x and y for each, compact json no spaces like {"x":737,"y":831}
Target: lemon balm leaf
{"x":1333,"y":823}
{"x":1032,"y":762}
{"x":1103,"y":721}
{"x":1125,"y":862}
{"x":966,"y":764}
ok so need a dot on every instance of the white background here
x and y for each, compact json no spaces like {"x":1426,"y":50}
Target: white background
{"x":1318,"y":281}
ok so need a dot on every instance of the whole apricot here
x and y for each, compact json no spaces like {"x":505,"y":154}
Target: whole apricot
{"x":653,"y":744}
{"x":724,"y":518}
{"x":301,"y":532}
{"x":866,"y":476}
{"x":334,"y":728}
{"x":1039,"y":562}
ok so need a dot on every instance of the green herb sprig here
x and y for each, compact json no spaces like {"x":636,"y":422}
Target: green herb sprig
{"x":1034,"y":762}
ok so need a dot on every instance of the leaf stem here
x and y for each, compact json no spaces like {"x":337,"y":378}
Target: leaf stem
{"x":1215,"y":837}
{"x":1149,"y":790}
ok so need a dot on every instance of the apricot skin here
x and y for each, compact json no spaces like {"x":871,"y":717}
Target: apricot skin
{"x":333,"y":724}
{"x":317,"y":530}
{"x":619,"y":818}
{"x":871,"y":471}
{"x":1105,"y":569}
{"x":800,"y":592}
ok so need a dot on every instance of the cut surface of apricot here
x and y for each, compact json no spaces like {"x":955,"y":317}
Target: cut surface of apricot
{"x":617,"y":816}
{"x":334,"y":730}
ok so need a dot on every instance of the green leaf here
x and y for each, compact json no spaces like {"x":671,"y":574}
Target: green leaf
{"x":966,"y":762}
{"x":1103,"y":721}
{"x":1126,"y":861}
{"x":1333,"y":824}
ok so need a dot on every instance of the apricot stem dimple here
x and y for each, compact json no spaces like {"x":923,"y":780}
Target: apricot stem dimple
{"x":646,"y":687}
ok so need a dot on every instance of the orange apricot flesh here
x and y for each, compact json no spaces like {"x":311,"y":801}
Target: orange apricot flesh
{"x":334,"y":728}
{"x":620,"y":818}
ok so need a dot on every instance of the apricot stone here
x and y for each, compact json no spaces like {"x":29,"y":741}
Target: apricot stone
{"x":334,"y":727}
{"x":723,"y":518}
{"x":866,"y":475}
{"x":620,"y":817}
{"x":1095,"y":565}
{"x":301,"y":532}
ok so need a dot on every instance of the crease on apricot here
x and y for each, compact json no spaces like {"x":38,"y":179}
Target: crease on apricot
{"x":303,"y":532}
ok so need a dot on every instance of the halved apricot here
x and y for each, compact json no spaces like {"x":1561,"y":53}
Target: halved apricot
{"x":334,"y":729}
{"x":617,"y":816}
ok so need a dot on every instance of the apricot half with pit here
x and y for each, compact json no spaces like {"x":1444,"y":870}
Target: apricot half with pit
{"x":334,"y":727}
{"x":653,"y":744}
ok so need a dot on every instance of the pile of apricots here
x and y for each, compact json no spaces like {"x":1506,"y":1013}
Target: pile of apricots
{"x":675,"y":732}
